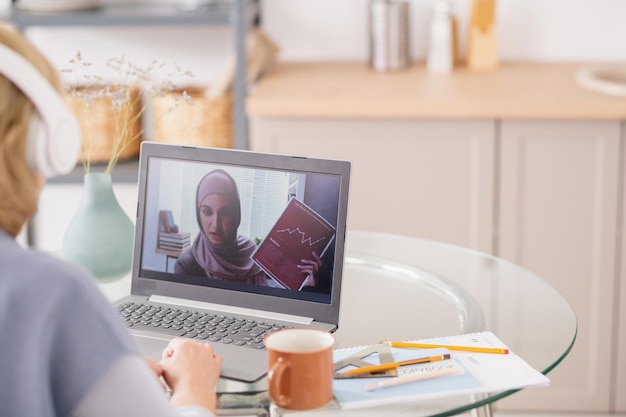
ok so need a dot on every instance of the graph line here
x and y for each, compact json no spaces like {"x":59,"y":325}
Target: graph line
{"x":304,"y":238}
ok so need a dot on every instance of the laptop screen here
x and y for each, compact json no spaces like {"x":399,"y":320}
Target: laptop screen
{"x":241,"y":228}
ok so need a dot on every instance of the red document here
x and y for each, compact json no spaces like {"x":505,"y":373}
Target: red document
{"x":298,"y":232}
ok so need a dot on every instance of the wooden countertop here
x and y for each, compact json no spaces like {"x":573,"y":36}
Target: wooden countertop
{"x":353,"y":90}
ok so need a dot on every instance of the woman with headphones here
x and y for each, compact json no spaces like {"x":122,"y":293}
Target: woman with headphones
{"x":64,"y":350}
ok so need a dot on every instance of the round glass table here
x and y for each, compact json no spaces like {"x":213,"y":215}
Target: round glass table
{"x":404,"y":288}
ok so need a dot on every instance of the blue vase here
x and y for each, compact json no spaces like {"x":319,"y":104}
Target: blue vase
{"x":100,"y":235}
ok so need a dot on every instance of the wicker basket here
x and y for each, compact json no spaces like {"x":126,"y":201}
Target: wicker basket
{"x":201,"y":122}
{"x":102,"y":123}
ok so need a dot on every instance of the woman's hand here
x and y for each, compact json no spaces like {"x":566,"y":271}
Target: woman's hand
{"x":310,"y":267}
{"x":156,"y":368}
{"x":191,"y":370}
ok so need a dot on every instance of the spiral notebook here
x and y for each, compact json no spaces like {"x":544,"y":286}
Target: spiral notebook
{"x":478,"y":373}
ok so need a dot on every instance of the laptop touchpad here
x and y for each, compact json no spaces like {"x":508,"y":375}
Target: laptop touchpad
{"x":151,"y":347}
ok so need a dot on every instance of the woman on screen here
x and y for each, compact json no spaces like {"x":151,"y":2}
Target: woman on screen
{"x":218,"y":252}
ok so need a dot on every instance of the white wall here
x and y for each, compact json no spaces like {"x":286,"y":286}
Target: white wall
{"x":316,"y":30}
{"x":543,"y":30}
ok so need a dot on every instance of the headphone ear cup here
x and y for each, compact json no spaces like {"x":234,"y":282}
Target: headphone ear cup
{"x":35,"y":146}
{"x":51,"y":150}
{"x":63,"y":143}
{"x":53,"y":142}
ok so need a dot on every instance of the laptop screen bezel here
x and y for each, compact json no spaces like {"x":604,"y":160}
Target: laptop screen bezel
{"x":145,"y":286}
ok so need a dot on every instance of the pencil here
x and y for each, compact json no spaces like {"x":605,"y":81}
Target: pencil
{"x":450,"y":347}
{"x":412,"y":378}
{"x":393,"y":365}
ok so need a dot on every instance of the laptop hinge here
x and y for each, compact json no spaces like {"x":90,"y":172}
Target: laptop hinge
{"x":230,"y":309}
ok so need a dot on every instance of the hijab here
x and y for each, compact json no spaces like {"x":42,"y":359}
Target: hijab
{"x":230,"y":260}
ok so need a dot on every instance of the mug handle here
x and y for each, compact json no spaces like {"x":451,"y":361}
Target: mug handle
{"x":275,"y":376}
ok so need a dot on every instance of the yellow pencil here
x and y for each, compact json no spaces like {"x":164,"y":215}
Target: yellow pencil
{"x":392,"y":365}
{"x":450,"y":347}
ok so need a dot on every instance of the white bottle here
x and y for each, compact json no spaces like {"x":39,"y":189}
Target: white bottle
{"x":441,"y":44}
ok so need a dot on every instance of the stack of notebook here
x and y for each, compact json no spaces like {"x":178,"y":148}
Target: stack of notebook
{"x":176,"y":242}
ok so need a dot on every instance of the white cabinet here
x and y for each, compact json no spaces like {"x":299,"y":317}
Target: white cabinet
{"x":558,"y":217}
{"x":421,"y":178}
{"x":543,"y":194}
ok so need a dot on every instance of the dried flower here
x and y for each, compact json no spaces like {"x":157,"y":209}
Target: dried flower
{"x":126,"y":100}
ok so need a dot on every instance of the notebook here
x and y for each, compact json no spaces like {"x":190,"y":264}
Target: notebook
{"x":478,"y":372}
{"x":175,"y":266}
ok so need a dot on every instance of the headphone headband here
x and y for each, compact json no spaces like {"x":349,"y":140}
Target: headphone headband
{"x":54,"y":135}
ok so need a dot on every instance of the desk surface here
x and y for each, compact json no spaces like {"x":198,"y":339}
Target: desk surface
{"x":394,"y":286}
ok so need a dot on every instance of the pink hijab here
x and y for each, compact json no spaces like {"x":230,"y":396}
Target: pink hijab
{"x":232,"y":259}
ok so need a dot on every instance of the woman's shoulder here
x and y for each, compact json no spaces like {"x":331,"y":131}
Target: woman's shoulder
{"x":57,"y":289}
{"x":38,"y":274}
{"x":54,"y":269}
{"x":187,"y":264}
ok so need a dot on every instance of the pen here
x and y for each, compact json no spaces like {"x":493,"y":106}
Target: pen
{"x":450,"y":347}
{"x":393,"y":365}
{"x":412,"y":378}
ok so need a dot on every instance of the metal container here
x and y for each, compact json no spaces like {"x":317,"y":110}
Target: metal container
{"x":389,"y":34}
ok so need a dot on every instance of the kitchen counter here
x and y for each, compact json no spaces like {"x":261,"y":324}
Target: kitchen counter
{"x":353,"y":90}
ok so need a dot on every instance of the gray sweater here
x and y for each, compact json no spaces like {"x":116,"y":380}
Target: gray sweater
{"x":59,"y":339}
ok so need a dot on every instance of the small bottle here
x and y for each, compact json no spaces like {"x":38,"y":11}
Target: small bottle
{"x":442,"y":43}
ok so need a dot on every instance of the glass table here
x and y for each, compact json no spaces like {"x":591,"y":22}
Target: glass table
{"x":404,"y":288}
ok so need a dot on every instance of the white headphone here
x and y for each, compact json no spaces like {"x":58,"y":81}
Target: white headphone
{"x":53,"y":142}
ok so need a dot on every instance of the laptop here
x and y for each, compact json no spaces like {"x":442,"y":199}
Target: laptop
{"x":283,"y":207}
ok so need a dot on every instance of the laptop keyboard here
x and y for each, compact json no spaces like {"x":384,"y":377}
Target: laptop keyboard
{"x":197,"y":325}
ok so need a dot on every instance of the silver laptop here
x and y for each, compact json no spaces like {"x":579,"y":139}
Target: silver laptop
{"x":193,"y":276}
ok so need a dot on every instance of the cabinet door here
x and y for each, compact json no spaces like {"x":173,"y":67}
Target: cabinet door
{"x":430,"y":179}
{"x":59,"y":202}
{"x":558,"y":200}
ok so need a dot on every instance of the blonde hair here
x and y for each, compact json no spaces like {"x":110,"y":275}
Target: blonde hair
{"x":19,"y":183}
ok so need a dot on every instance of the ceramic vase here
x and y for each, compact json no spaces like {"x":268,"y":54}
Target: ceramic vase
{"x":100,"y":235}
